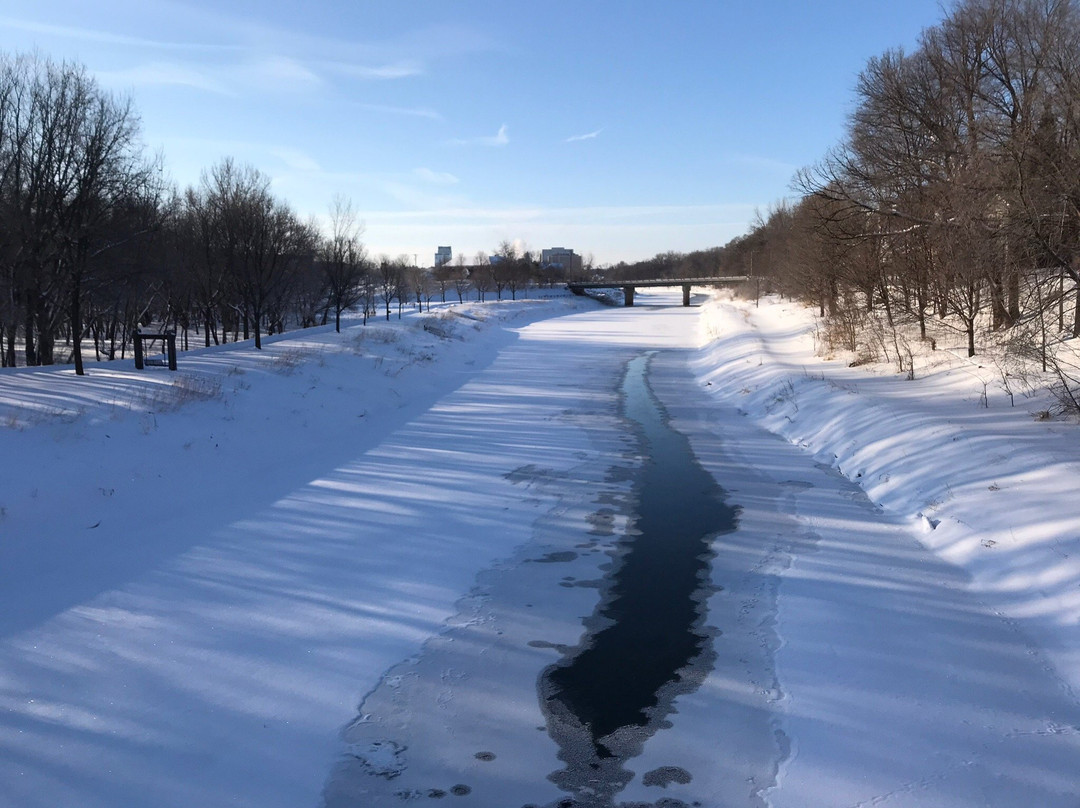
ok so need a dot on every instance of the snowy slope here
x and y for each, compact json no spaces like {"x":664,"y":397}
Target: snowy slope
{"x":187,"y":616}
{"x":986,"y":485}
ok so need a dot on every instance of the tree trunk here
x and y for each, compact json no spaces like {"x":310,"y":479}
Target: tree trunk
{"x":999,"y":313}
{"x":887,"y":303}
{"x":46,"y":339}
{"x":1076,"y":315}
{"x":1061,"y":300}
{"x":114,"y":325}
{"x":76,"y":324}
{"x":1013,"y":297}
{"x":31,"y":346}
{"x":921,"y":302}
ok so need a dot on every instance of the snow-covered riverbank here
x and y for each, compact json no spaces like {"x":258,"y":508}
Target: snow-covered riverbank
{"x":988,"y":486}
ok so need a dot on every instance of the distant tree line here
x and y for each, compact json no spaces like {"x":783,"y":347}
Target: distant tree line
{"x":95,"y":243}
{"x":955,"y":194}
{"x":671,"y":264}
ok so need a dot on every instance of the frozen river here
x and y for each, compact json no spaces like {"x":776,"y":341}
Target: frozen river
{"x":832,"y":661}
{"x":444,"y":582}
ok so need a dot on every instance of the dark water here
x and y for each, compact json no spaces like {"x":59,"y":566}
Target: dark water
{"x":648,"y":641}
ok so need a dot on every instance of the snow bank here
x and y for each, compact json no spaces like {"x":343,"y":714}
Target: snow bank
{"x":987,"y":486}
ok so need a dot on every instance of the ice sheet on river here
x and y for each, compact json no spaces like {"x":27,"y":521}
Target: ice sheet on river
{"x":892,"y":684}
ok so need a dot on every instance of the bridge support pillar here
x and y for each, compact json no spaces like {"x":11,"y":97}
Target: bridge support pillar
{"x":628,"y":295}
{"x":686,"y":294}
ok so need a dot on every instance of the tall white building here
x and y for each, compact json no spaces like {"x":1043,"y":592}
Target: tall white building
{"x":442,"y":256}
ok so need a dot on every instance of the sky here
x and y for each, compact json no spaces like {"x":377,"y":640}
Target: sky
{"x":618,"y":129}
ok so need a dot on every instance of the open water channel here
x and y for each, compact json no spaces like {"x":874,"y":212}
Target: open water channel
{"x":648,"y":641}
{"x":430,"y":730}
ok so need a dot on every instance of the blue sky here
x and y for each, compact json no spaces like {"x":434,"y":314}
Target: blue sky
{"x":620,"y":129}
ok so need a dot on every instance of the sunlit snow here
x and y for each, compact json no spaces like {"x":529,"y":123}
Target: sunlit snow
{"x":209,"y":576}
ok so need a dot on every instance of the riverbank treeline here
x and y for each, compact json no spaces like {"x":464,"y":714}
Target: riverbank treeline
{"x":955,"y":194}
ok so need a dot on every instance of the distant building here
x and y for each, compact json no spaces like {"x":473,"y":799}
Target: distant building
{"x":561,"y":258}
{"x":442,"y":256}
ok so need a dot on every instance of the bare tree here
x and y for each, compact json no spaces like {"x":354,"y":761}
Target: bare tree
{"x":388,"y":279}
{"x":480,"y":275}
{"x":343,"y":258}
{"x":262,"y":241}
{"x":461,"y":278}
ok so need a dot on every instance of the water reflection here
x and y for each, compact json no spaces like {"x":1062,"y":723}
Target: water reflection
{"x":647,"y":643}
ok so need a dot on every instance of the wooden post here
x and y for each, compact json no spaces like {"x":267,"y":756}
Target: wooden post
{"x":171,"y":339}
{"x":138,"y":350}
{"x":628,"y":295}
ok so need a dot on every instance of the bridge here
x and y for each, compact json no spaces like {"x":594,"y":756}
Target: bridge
{"x":628,"y":287}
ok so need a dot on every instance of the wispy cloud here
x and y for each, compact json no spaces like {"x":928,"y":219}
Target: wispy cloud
{"x":435,"y":177}
{"x":416,"y":112}
{"x":294,"y":158}
{"x":164,"y":74}
{"x":279,"y":72}
{"x":264,"y":75}
{"x":588,"y":136}
{"x":390,"y":71}
{"x":84,"y":34}
{"x":418,"y":197}
{"x":500,"y":138}
{"x":252,"y":54}
{"x":269,"y":156}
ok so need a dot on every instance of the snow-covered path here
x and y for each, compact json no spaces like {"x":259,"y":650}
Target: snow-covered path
{"x":438,"y":567}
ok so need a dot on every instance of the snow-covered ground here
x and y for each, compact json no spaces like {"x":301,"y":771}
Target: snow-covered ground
{"x":928,"y":653}
{"x":215,"y":583}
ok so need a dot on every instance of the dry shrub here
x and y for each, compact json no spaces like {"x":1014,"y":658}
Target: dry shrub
{"x":289,"y":361}
{"x":181,"y":390}
{"x":440,"y":325}
{"x":374,"y":334}
{"x":846,"y":331}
